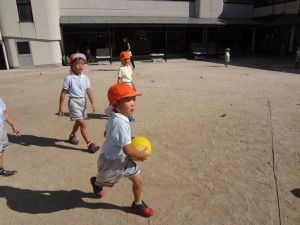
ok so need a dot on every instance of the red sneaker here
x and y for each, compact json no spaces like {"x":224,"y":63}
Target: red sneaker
{"x":73,"y":140}
{"x":92,"y":147}
{"x":142,"y":209}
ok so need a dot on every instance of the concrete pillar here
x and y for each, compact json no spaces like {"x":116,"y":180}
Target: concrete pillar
{"x":208,"y":8}
{"x":4,"y":51}
{"x":292,"y":37}
{"x":253,"y":38}
{"x":197,"y":8}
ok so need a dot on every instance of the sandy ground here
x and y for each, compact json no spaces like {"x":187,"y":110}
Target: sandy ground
{"x":226,"y":147}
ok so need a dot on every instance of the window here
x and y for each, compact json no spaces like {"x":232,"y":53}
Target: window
{"x":239,"y":1}
{"x":24,"y":10}
{"x":23,"y":47}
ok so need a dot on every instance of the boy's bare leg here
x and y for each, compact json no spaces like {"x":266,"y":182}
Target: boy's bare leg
{"x":137,"y":182}
{"x":75,"y":127}
{"x":83,"y":129}
{"x":1,"y":161}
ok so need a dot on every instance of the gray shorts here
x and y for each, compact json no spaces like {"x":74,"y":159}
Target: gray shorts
{"x":3,"y":139}
{"x":110,"y":171}
{"x":77,"y":108}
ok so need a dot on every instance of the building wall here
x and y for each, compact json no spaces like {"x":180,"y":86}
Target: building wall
{"x":126,"y":8}
{"x":242,"y":11}
{"x":284,"y":8}
{"x":208,"y":9}
{"x":43,"y":33}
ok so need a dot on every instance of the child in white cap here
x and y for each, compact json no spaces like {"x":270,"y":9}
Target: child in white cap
{"x":76,"y":85}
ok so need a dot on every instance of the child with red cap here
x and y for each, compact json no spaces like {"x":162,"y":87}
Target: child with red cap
{"x":114,"y":161}
{"x":76,"y":85}
{"x":125,"y":73}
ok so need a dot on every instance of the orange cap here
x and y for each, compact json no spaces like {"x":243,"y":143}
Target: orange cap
{"x":119,"y":91}
{"x":77,"y":56}
{"x":124,"y":55}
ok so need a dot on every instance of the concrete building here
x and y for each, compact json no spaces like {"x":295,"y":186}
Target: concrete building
{"x":39,"y":32}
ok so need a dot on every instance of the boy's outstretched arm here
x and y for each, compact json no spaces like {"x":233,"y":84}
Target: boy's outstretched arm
{"x":11,"y":123}
{"x":61,"y":101}
{"x":91,"y":97}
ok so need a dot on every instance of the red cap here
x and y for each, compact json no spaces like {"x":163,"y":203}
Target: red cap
{"x":124,"y":55}
{"x":119,"y":91}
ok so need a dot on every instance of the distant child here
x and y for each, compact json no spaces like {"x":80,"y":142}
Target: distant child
{"x":76,"y":85}
{"x":297,"y":58}
{"x":4,"y":116}
{"x":127,"y":48}
{"x":125,"y":73}
{"x":227,"y":56}
{"x":88,"y":54}
{"x":114,"y":161}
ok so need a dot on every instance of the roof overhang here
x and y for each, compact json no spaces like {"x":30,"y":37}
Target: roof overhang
{"x":136,"y":21}
{"x":242,"y":21}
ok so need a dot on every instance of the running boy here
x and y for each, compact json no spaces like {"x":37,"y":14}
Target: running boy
{"x":4,"y":116}
{"x":114,"y":161}
{"x":125,"y":73}
{"x":76,"y":85}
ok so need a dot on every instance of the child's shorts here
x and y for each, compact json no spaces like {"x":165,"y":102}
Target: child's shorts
{"x":110,"y":171}
{"x":3,"y":139}
{"x":77,"y":108}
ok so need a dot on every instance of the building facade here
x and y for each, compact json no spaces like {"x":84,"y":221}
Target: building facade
{"x":37,"y":33}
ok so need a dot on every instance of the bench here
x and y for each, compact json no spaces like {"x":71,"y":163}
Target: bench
{"x":200,"y":53}
{"x":102,"y":55}
{"x":157,"y":57}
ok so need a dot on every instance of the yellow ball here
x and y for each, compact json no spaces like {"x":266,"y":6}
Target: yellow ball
{"x":140,"y":143}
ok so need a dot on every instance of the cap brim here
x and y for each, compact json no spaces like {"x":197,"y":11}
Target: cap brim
{"x":128,"y":95}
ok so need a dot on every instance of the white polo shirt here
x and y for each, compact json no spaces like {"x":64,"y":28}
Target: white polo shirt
{"x":2,"y":108}
{"x":118,"y":135}
{"x":76,"y":85}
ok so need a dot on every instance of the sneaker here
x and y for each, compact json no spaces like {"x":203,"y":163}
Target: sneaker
{"x":73,"y":140}
{"x":92,"y":147}
{"x":7,"y":173}
{"x":98,"y":191}
{"x":142,"y":209}
{"x":131,"y":119}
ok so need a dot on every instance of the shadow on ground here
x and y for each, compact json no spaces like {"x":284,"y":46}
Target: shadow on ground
{"x":46,"y":201}
{"x":90,"y":116}
{"x":296,"y":192}
{"x":258,"y":62}
{"x":27,"y":140}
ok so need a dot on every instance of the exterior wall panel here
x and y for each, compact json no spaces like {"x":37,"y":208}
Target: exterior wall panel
{"x":285,"y":8}
{"x":242,"y":11}
{"x":9,"y":20}
{"x":46,"y":53}
{"x":124,"y":8}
